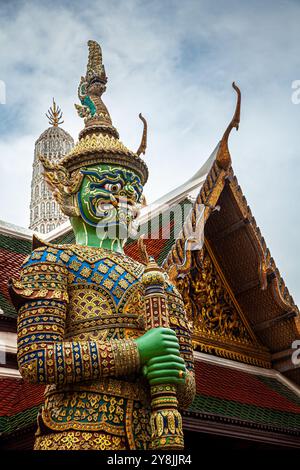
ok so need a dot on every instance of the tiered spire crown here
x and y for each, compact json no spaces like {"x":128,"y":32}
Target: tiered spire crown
{"x":54,"y":114}
{"x":99,"y":140}
{"x":90,"y":90}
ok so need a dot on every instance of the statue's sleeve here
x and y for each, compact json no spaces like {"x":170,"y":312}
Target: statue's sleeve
{"x":179,"y":323}
{"x":41,"y":298}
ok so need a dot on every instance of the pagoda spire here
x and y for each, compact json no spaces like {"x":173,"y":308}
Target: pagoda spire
{"x":54,"y":114}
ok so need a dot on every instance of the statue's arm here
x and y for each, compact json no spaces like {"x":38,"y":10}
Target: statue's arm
{"x":175,"y":363}
{"x":41,"y":299}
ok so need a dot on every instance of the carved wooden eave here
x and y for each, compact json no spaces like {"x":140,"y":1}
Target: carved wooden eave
{"x":277,"y":322}
{"x":248,"y":270}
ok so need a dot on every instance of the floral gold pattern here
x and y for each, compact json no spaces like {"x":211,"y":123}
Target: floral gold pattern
{"x":81,"y":344}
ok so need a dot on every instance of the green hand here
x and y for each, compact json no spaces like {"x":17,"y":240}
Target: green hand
{"x":157,"y":342}
{"x":169,"y":369}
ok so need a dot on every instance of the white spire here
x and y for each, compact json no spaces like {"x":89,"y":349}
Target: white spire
{"x":45,"y":214}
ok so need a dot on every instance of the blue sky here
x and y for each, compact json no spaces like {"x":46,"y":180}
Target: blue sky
{"x":173,"y":61}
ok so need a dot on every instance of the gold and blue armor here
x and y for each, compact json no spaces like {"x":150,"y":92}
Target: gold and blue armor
{"x":79,"y":311}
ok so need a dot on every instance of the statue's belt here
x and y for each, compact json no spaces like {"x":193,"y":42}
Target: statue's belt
{"x":135,"y":390}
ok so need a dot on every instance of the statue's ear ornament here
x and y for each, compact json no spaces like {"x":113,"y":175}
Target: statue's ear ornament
{"x":63,"y":184}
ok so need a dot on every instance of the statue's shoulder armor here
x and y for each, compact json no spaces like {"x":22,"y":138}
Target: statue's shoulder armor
{"x":40,"y":245}
{"x":46,"y":259}
{"x":46,"y":252}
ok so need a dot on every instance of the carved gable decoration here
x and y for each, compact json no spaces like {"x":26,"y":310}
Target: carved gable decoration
{"x":219,"y":326}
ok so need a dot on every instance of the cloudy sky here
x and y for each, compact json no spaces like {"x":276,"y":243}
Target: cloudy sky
{"x":174,"y":61}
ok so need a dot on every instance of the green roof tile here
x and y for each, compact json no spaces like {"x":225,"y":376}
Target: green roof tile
{"x":7,"y":307}
{"x":242,"y":411}
{"x":17,"y":245}
{"x":280,"y":388}
{"x":65,"y":239}
{"x":9,"y":424}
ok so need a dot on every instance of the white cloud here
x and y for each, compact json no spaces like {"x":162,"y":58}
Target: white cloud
{"x":175,"y":62}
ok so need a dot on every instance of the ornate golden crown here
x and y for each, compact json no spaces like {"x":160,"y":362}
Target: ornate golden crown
{"x":98,"y":141}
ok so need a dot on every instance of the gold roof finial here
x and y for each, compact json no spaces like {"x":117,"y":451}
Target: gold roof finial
{"x":223,"y":156}
{"x":54,"y":115}
{"x":143,"y":144}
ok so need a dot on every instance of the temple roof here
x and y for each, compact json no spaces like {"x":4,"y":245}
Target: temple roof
{"x":19,"y":404}
{"x":246,"y":263}
{"x":15,"y":244}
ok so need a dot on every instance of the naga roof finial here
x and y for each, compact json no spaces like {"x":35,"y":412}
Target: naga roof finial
{"x":54,"y":114}
{"x":223,"y":156}
{"x":143,"y":144}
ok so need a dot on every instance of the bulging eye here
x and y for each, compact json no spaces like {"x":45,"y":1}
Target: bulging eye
{"x":113,"y":187}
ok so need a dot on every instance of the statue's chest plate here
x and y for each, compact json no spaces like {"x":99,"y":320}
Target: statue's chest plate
{"x":105,"y":298}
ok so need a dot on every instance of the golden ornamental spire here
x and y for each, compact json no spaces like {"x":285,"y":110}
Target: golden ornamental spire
{"x":95,"y":66}
{"x":90,"y":90}
{"x":223,"y":156}
{"x":143,"y":144}
{"x":98,"y":142}
{"x":99,"y":139}
{"x":54,"y":114}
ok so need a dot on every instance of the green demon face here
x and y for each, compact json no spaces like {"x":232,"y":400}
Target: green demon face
{"x":109,"y":197}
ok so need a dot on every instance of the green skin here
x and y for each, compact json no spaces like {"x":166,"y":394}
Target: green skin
{"x":159,"y":347}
